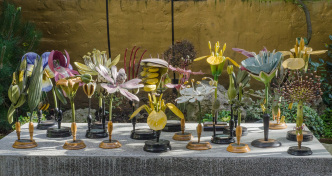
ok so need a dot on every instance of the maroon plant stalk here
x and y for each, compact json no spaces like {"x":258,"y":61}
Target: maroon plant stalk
{"x":130,"y":62}
{"x":124,"y":61}
{"x":139,"y":63}
{"x":134,"y":62}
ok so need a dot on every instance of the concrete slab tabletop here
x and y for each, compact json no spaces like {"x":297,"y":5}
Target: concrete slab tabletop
{"x":134,"y":148}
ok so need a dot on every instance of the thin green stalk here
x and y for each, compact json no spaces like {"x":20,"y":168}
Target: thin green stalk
{"x":299,"y":117}
{"x":266,"y":97}
{"x":54,"y":98}
{"x":110,"y":108}
{"x":72,"y":111}
{"x":239,"y":112}
{"x":100,"y":101}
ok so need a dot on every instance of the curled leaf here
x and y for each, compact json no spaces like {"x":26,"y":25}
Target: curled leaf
{"x":175,"y":110}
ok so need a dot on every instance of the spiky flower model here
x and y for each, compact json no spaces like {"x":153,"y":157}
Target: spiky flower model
{"x":302,"y":88}
{"x":153,"y":70}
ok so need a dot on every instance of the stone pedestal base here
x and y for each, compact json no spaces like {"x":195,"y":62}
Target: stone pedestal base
{"x":157,"y":147}
{"x":261,"y":143}
{"x":172,"y":126}
{"x":199,"y":146}
{"x":277,"y":126}
{"x":304,"y":151}
{"x":235,"y":148}
{"x":222,"y":139}
{"x":307,"y":135}
{"x":74,"y":145}
{"x":96,"y":133}
{"x":142,"y":134}
{"x":25,"y":144}
{"x":107,"y":144}
{"x":182,"y":137}
{"x":45,"y":125}
{"x":58,"y":133}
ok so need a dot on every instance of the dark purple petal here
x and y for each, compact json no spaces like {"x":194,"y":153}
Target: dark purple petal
{"x":244,"y":52}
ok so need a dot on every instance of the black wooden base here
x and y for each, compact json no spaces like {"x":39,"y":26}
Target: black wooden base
{"x":304,"y":151}
{"x":270,"y":143}
{"x":96,"y":133}
{"x":58,"y":133}
{"x":143,"y":134}
{"x":172,"y":126}
{"x":157,"y":147}
{"x":244,"y":131}
{"x":208,"y":126}
{"x":307,"y":135}
{"x":45,"y":125}
{"x":222,"y":139}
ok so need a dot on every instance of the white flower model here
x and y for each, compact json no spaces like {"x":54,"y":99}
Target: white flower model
{"x":193,"y":93}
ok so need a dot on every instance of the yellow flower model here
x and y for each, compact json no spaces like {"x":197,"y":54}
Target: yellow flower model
{"x":217,"y":60}
{"x":299,"y":56}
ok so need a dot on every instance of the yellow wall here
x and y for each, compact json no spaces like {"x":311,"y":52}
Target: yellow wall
{"x":80,"y":25}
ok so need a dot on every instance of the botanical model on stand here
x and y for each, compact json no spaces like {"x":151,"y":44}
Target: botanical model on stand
{"x":302,"y":88}
{"x":157,"y":118}
{"x":58,"y":67}
{"x":196,"y":92}
{"x":30,"y":88}
{"x":116,"y":82}
{"x":70,"y":85}
{"x":217,"y":61}
{"x":263,"y":67}
{"x":97,"y":129}
{"x":236,"y":87}
{"x":140,"y":133}
{"x":299,"y":58}
{"x":184,"y":75}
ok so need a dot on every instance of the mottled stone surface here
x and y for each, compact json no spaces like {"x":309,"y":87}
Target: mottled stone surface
{"x":49,"y":158}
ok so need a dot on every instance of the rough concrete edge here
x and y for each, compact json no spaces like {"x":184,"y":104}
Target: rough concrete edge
{"x":88,"y":165}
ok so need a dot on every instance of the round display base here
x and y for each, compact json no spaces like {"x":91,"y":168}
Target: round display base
{"x":244,"y":131}
{"x":277,"y":126}
{"x":270,"y":143}
{"x":304,"y":151}
{"x":172,"y":126}
{"x":222,"y":139}
{"x":96,"y":133}
{"x":182,"y":137}
{"x":45,"y":125}
{"x":107,"y":144}
{"x":74,"y":145}
{"x":208,"y":126}
{"x":157,"y":147}
{"x":199,"y":146}
{"x":25,"y":144}
{"x":143,"y":134}
{"x":307,"y":135}
{"x":58,"y":133}
{"x":235,"y":148}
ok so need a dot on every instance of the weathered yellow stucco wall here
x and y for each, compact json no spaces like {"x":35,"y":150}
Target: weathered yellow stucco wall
{"x":80,"y":25}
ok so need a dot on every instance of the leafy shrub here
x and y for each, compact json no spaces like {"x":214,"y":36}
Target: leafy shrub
{"x":327,"y":118}
{"x":223,"y":116}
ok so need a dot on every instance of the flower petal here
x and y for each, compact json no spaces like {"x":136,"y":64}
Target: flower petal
{"x":132,"y":84}
{"x":47,"y":85}
{"x":109,"y":88}
{"x":129,"y":95}
{"x":104,"y":73}
{"x":114,"y":71}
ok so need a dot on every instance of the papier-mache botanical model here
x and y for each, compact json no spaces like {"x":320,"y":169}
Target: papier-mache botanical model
{"x":116,"y":82}
{"x":196,"y":93}
{"x":263,"y":67}
{"x":97,"y":126}
{"x":217,"y":61}
{"x":70,"y":85}
{"x":235,"y":95}
{"x":140,"y":133}
{"x":26,"y":85}
{"x":153,"y":71}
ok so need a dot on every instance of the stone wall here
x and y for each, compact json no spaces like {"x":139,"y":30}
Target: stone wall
{"x":80,"y":25}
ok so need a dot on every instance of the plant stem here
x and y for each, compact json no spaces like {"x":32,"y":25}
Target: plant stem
{"x":267,"y":85}
{"x":299,"y":118}
{"x":72,"y":110}
{"x":239,"y":112}
{"x":200,"y":112}
{"x":54,"y":98}
{"x":110,"y":108}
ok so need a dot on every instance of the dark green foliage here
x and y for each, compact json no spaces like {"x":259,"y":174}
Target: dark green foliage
{"x":16,"y":38}
{"x":327,"y":118}
{"x":223,"y":116}
{"x":324,"y":69}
